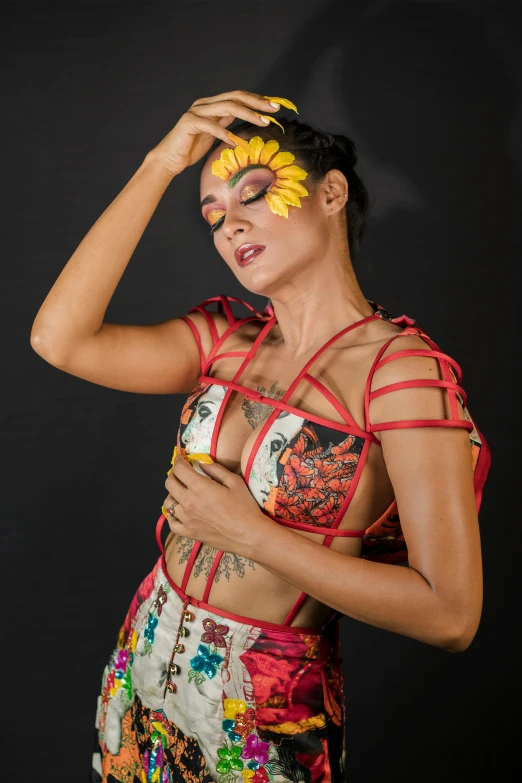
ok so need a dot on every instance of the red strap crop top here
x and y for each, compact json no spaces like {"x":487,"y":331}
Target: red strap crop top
{"x":303,"y":469}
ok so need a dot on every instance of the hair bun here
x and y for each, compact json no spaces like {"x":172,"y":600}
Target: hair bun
{"x":336,"y":143}
{"x":347,"y":148}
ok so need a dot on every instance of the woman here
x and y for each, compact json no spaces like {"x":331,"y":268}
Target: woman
{"x":307,"y":427}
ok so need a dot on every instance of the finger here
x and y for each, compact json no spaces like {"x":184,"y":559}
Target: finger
{"x":198,"y":124}
{"x":253,"y":99}
{"x":176,"y":487}
{"x":228,"y":108}
{"x":176,"y":526}
{"x":169,"y":503}
{"x":219,"y":473}
{"x":225,"y":121}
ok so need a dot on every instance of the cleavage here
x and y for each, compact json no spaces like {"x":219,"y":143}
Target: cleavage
{"x":242,"y":421}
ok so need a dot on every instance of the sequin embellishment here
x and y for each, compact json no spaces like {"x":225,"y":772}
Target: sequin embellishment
{"x":207,"y":659}
{"x":251,"y":754}
{"x":155,"y":766}
{"x":152,"y":618}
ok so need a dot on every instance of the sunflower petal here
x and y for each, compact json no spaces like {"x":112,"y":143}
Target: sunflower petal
{"x":281,"y":159}
{"x":242,"y":143}
{"x":277,"y":204}
{"x":242,"y":157}
{"x":293,"y":185}
{"x":283,"y":101}
{"x":288,"y":195}
{"x":229,"y":159}
{"x":219,"y":169}
{"x":256,"y":145}
{"x":292,"y":172}
{"x":268,"y":150}
{"x":272,"y":119}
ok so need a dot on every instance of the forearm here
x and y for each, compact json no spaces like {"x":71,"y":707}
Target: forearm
{"x":75,"y":306}
{"x":387,"y":596}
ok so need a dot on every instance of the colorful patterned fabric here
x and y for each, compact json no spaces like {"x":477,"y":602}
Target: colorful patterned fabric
{"x":251,"y":702}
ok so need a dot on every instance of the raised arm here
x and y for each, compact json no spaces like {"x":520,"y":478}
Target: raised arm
{"x":69,"y":330}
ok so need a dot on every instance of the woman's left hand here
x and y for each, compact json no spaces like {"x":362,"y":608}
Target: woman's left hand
{"x":217,"y":509}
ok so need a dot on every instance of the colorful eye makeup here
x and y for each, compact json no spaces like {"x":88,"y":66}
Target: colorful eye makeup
{"x":249,"y":193}
{"x":286,"y":189}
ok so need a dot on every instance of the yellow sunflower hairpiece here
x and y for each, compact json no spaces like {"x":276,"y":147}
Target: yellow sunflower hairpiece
{"x":286,"y":190}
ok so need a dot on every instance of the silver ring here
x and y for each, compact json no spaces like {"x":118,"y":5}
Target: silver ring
{"x":172,"y":507}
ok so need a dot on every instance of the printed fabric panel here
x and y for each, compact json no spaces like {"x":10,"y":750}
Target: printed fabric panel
{"x":303,"y":471}
{"x":189,"y":695}
{"x":198,"y":418}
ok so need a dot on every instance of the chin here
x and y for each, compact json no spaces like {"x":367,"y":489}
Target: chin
{"x":260,"y":282}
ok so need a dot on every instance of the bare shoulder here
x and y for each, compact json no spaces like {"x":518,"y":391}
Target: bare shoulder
{"x":201,"y":323}
{"x":350,"y":368}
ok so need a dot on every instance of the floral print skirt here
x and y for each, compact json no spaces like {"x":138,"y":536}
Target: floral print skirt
{"x":190,"y":694}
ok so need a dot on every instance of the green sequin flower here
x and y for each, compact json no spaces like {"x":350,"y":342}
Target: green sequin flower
{"x":229,"y":759}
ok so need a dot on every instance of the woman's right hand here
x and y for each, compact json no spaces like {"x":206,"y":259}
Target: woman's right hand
{"x":205,"y":121}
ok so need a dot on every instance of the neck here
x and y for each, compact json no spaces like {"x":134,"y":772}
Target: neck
{"x":308,"y":315}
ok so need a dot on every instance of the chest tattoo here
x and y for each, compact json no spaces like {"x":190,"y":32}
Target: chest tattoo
{"x":229,"y":564}
{"x":256,"y":412}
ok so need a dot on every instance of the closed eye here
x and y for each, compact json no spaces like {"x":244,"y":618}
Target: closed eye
{"x":243,"y":203}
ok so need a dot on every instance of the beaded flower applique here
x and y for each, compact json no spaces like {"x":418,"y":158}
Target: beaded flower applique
{"x":251,"y":754}
{"x":207,"y":658}
{"x":152,"y":618}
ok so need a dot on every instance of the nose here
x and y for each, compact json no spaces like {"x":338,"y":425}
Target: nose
{"x":234,"y":224}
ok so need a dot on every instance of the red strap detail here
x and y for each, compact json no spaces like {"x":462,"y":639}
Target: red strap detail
{"x":319,"y":529}
{"x":188,"y":568}
{"x":341,"y":410}
{"x":410,"y":423}
{"x":283,"y":406}
{"x":223,"y":306}
{"x":198,"y":341}
{"x":210,"y":579}
{"x":209,"y":320}
{"x":322,"y":349}
{"x":225,"y":336}
{"x":295,"y":608}
{"x":159,"y":526}
{"x":435,"y":354}
{"x":416,"y":383}
{"x":248,"y":358}
{"x":227,"y":354}
{"x":446,"y":362}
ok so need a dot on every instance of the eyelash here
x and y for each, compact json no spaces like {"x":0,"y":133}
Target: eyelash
{"x":248,"y":201}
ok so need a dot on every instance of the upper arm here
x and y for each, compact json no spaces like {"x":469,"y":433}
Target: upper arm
{"x":162,"y":358}
{"x":424,"y":430}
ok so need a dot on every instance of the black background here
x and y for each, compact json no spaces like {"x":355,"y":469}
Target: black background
{"x":431,"y":94}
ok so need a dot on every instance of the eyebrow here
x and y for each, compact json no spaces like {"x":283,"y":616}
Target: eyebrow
{"x":234,"y":179}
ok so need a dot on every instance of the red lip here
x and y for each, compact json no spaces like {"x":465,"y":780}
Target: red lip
{"x":244,"y":248}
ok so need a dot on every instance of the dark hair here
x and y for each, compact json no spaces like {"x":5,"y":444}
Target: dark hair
{"x":319,"y":151}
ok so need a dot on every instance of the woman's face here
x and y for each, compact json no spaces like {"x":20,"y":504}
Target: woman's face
{"x":263,"y":475}
{"x":291,"y":243}
{"x":197,"y":434}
